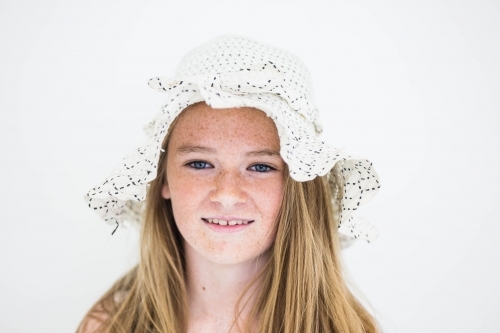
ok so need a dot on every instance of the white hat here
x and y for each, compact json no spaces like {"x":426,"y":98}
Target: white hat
{"x":229,"y":72}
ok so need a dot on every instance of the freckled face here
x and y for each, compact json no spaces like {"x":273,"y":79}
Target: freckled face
{"x":223,"y":165}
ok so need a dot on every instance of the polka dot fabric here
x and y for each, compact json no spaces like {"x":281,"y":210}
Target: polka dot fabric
{"x":228,"y":72}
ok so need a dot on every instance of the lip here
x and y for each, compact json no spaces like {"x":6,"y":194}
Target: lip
{"x":227,"y":228}
{"x":227,"y":218}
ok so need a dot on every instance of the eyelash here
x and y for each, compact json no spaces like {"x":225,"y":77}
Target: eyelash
{"x":264,"y":165}
{"x":192,"y":165}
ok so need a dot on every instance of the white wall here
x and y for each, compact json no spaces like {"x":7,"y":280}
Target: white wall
{"x":412,"y":85}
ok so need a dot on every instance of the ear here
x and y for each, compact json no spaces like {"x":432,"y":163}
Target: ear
{"x":165,"y":191}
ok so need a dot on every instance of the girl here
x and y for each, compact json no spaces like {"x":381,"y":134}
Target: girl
{"x":243,"y":209}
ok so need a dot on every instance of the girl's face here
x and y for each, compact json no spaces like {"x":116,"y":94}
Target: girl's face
{"x":225,"y":181}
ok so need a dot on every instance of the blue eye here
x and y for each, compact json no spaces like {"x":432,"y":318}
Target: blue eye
{"x":261,"y":168}
{"x":199,"y":165}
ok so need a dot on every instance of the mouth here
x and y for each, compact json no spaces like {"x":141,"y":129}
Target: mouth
{"x":227,"y":223}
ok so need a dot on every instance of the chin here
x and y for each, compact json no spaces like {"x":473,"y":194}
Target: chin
{"x":224,"y":259}
{"x":231,"y":257}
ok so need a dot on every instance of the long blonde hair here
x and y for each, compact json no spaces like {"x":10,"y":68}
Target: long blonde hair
{"x":302,"y":288}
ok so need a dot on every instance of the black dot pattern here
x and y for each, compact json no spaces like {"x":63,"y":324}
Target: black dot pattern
{"x":232,"y":71}
{"x":360,"y":184}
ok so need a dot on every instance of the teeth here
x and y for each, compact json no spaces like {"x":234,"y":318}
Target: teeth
{"x":225,"y":222}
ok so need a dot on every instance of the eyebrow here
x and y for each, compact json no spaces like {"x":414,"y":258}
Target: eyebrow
{"x":186,"y":149}
{"x":263,"y":152}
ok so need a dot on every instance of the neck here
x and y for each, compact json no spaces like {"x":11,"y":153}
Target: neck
{"x":214,"y":290}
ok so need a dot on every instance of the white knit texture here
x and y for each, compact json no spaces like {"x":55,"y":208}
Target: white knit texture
{"x":232,"y":71}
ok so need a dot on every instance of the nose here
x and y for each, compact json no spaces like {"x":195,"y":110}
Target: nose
{"x":228,"y":190}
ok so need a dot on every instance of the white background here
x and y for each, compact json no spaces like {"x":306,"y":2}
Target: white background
{"x":414,"y":86}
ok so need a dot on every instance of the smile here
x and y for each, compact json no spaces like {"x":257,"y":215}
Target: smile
{"x":226,"y":222}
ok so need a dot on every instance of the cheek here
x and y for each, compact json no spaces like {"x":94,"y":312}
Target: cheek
{"x":181,"y":187}
{"x":269,"y":198}
{"x":183,"y":195}
{"x":274,"y":201}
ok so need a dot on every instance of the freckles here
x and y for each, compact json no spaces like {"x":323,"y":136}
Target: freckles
{"x":229,"y":131}
{"x":269,"y":198}
{"x":214,"y":247}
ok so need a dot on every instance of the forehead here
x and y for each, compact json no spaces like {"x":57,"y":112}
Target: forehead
{"x":202,"y":124}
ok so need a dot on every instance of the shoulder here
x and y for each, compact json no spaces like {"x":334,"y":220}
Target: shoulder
{"x":93,"y":321}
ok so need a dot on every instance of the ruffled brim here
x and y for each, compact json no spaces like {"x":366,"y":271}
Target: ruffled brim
{"x":119,"y":198}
